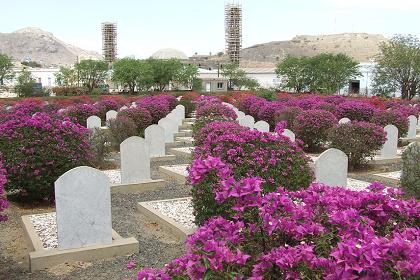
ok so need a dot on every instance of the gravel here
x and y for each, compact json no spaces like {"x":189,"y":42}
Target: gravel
{"x":113,"y":175}
{"x":180,"y":210}
{"x":179,"y":169}
{"x":46,"y":227}
{"x":395,"y":175}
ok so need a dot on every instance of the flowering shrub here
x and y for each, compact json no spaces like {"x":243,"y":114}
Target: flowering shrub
{"x":355,"y":111}
{"x":384,"y":118}
{"x":212,"y":109}
{"x":248,"y":101}
{"x":358,"y":140}
{"x":158,"y":106}
{"x":246,"y":153}
{"x":120,"y":129}
{"x":3,"y":202}
{"x":104,"y":106}
{"x":188,"y":101}
{"x":81,"y":112}
{"x":140,"y":116}
{"x":38,"y":149}
{"x":268,"y":111}
{"x":214,"y":129}
{"x":318,"y":233}
{"x":287,"y":114}
{"x":312,"y":127}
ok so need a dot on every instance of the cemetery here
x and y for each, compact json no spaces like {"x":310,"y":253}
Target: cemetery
{"x":232,"y":186}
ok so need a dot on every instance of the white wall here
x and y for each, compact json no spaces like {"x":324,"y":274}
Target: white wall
{"x":45,"y":75}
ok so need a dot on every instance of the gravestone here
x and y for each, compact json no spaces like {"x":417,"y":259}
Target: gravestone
{"x":135,"y":160}
{"x":155,"y":139}
{"x":262,"y":126}
{"x":331,"y":168}
{"x":247,"y":121}
{"x":83,"y":206}
{"x":344,"y":121}
{"x":389,"y":149}
{"x":240,"y":115}
{"x":412,"y":127}
{"x":111,"y":115}
{"x":288,"y":133}
{"x":93,"y":122}
{"x":168,"y":126}
{"x":181,"y":109}
{"x":123,"y":108}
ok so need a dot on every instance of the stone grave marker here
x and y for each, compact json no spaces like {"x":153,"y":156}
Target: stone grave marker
{"x":168,"y":126}
{"x":288,"y":133}
{"x":93,"y":122}
{"x":389,"y":149}
{"x":331,"y":168}
{"x":155,"y":139}
{"x":262,"y":126}
{"x":135,"y":160}
{"x":83,"y":206}
{"x":247,"y":121}
{"x":412,"y":127}
{"x":344,"y":121}
{"x":111,"y":115}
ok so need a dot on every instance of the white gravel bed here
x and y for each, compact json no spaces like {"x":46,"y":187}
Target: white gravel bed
{"x":113,"y":175}
{"x":396,"y":175}
{"x":187,"y":150}
{"x":180,"y":210}
{"x":185,"y":139}
{"x":46,"y":227}
{"x":357,"y":185}
{"x":179,"y":169}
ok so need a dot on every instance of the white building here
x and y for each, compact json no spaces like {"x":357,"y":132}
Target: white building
{"x":44,"y":76}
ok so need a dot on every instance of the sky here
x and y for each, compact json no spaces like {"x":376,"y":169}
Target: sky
{"x":145,"y":26}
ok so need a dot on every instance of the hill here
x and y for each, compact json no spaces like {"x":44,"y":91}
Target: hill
{"x":41,"y":46}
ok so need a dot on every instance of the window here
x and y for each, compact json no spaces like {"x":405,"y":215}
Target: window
{"x":39,"y":80}
{"x":219,"y":85}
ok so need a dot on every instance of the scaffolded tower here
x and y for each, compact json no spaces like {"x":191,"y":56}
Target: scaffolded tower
{"x":109,"y":41}
{"x":233,"y":31}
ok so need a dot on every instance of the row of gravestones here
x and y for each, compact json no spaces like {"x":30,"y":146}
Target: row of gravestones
{"x":170,"y":123}
{"x":84,"y":220}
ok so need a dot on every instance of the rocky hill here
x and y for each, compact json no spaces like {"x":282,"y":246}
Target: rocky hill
{"x":360,"y":46}
{"x":41,"y":46}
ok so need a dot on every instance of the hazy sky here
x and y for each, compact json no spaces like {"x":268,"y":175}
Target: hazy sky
{"x":145,"y":26}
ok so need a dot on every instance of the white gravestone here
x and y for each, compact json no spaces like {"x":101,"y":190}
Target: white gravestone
{"x":135,"y":160}
{"x":111,"y":115}
{"x":331,"y":168}
{"x":389,"y":149}
{"x":344,"y":121}
{"x":93,"y":122}
{"x":247,"y":121}
{"x":176,"y":114}
{"x":288,"y":133}
{"x":240,"y":115}
{"x":83,"y":206}
{"x":412,"y":124}
{"x":168,"y":126}
{"x":262,"y":126}
{"x":155,"y":139}
{"x":181,"y":108}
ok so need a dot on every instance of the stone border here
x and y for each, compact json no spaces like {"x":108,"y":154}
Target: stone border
{"x":410,"y":140}
{"x":138,"y":187}
{"x":377,"y":160}
{"x":180,"y":153}
{"x":163,"y":158}
{"x":173,"y":175}
{"x":41,"y":258}
{"x":165,"y":222}
{"x":184,"y":140}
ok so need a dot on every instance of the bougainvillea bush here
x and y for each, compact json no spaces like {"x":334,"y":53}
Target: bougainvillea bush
{"x":313,"y":126}
{"x":158,"y":106}
{"x":140,"y":116}
{"x":287,"y":114}
{"x":246,"y":153}
{"x":384,"y":118}
{"x":40,"y":148}
{"x":358,"y":140}
{"x":104,"y":106}
{"x":355,"y":110}
{"x":3,"y":202}
{"x":318,"y":233}
{"x":214,"y":129}
{"x":215,"y":109}
{"x":79,"y":113}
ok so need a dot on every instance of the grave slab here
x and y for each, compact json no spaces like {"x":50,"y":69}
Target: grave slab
{"x":178,"y":173}
{"x":118,"y":187}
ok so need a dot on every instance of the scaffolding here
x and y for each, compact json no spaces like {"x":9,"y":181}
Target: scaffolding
{"x":109,"y":41}
{"x":233,"y":31}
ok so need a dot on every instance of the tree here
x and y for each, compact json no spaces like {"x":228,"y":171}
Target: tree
{"x":66,"y":77}
{"x":146,"y":80}
{"x":25,"y":84}
{"x":398,"y":67}
{"x":6,"y":68}
{"x":164,"y":71}
{"x":186,"y":75}
{"x":324,"y":73}
{"x":238,"y":78}
{"x":91,"y":72}
{"x":293,"y":72}
{"x":127,"y":71}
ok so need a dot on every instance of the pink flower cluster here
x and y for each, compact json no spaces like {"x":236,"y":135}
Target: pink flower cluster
{"x":3,"y":202}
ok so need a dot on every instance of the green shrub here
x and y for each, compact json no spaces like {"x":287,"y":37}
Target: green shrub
{"x":410,"y":178}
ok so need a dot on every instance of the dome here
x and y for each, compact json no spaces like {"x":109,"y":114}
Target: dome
{"x":168,"y":54}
